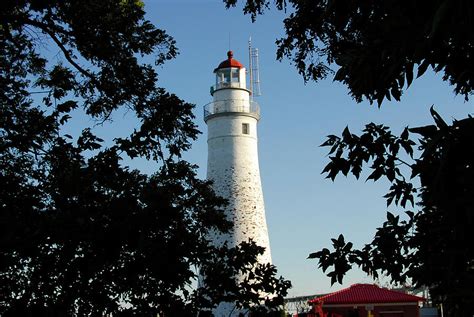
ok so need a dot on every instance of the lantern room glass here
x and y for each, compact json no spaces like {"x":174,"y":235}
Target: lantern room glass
{"x":227,"y":77}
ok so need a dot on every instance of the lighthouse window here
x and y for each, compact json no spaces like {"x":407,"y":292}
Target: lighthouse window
{"x":226,"y":77}
{"x":245,"y":128}
{"x":235,"y":75}
{"x":223,"y":77}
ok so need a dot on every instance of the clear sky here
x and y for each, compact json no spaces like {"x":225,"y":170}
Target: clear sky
{"x":304,"y":210}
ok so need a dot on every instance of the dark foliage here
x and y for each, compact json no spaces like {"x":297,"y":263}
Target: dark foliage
{"x":431,"y":247}
{"x":375,"y":47}
{"x":80,"y":232}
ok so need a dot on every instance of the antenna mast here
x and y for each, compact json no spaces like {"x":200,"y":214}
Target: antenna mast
{"x":254,"y":73}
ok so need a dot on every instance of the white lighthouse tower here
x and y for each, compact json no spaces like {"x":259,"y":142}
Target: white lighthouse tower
{"x":232,"y":164}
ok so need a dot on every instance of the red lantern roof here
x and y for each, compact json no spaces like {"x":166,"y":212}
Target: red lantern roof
{"x":365,"y":294}
{"x":229,"y":62}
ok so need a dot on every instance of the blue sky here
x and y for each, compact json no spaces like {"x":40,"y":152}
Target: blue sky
{"x":303,"y":209}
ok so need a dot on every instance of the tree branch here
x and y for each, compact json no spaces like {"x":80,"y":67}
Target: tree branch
{"x":46,"y":29}
{"x":403,"y":162}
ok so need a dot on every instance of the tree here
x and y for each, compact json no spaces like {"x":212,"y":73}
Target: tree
{"x":376,"y":45}
{"x":430,"y":247}
{"x":373,"y":47}
{"x":81,"y":232}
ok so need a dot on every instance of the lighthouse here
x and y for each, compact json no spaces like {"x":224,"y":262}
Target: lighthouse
{"x":232,"y":118}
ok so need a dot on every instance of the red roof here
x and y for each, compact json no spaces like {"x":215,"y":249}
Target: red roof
{"x":365,"y":294}
{"x":229,"y":62}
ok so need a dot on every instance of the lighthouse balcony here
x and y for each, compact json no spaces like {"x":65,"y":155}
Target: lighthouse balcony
{"x":232,"y":106}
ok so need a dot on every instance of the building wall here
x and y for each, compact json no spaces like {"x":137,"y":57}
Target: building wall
{"x":234,"y":168}
{"x":386,"y":310}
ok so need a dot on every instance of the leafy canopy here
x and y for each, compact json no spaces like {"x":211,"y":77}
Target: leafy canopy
{"x":81,"y":233}
{"x":430,"y":246}
{"x":375,"y":47}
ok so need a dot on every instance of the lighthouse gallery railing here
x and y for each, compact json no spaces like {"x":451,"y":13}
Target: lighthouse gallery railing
{"x":232,"y":105}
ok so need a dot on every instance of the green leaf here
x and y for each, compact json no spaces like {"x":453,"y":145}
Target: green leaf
{"x":425,"y":131}
{"x":409,"y":73}
{"x":64,"y":119}
{"x":340,"y":241}
{"x":422,"y":68}
{"x":440,"y":123}
{"x":390,"y":217}
{"x":405,"y":133}
{"x":376,"y":174}
{"x":396,"y":93}
{"x":346,"y":135}
{"x":340,"y":74}
{"x":67,"y":106}
{"x":348,"y":246}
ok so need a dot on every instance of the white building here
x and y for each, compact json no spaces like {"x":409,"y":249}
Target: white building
{"x":232,"y":164}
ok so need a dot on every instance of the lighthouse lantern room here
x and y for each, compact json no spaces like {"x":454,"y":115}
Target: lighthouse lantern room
{"x":229,"y":73}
